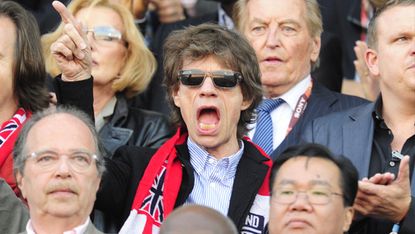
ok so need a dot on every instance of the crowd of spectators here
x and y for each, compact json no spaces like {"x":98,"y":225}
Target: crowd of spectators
{"x":216,"y":116}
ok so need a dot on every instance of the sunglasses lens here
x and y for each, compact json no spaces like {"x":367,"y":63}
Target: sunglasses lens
{"x":221,"y":79}
{"x":192,"y":80}
{"x":225,"y":82}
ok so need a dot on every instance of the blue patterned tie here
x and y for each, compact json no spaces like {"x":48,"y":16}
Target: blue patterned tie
{"x":263,"y":135}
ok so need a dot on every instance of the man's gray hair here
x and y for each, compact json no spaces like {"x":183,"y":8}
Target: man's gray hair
{"x":19,"y":151}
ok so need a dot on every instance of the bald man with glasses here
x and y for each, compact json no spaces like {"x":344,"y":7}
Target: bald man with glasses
{"x":58,"y":170}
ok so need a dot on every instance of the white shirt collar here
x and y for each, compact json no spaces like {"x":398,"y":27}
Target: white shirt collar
{"x":293,"y":95}
{"x":77,"y":230}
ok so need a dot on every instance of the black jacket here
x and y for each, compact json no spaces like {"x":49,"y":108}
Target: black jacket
{"x":120,"y":182}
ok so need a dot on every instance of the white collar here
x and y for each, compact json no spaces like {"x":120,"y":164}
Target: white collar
{"x":77,"y":230}
{"x":291,"y":96}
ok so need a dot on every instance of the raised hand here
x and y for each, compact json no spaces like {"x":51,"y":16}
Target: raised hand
{"x":381,"y":197}
{"x":71,"y":50}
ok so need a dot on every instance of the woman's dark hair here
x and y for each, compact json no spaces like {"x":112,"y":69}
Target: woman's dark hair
{"x":28,"y":66}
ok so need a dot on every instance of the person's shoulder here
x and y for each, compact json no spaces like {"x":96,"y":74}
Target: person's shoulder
{"x":353,"y":98}
{"x":151,"y":121}
{"x":147,"y":115}
{"x":337,"y":118}
{"x":320,"y":89}
{"x":130,"y":149}
{"x":134,"y":154}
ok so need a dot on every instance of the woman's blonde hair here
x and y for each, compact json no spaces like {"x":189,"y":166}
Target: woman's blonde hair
{"x":140,"y":63}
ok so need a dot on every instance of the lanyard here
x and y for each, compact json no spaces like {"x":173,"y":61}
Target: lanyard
{"x":300,"y":108}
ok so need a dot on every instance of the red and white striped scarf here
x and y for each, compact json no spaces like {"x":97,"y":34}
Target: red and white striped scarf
{"x":158,"y":189}
{"x":9,"y":131}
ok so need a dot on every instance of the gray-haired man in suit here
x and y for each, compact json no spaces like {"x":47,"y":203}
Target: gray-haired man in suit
{"x":286,"y":37}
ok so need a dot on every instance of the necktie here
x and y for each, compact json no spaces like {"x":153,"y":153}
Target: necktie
{"x":263,"y":135}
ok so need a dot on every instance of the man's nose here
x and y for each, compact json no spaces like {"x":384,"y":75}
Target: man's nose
{"x":273,"y":39}
{"x":63,"y":167}
{"x":208,"y":87}
{"x":301,"y":202}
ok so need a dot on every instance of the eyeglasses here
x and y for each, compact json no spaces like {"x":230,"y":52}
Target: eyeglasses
{"x":316,"y":196}
{"x":104,"y":34}
{"x":221,"y":79}
{"x":47,"y":160}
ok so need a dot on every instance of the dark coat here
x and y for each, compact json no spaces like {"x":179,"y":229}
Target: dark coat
{"x":120,"y":182}
{"x":321,"y":102}
{"x":350,"y":133}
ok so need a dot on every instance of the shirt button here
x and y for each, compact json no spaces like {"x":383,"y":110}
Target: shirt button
{"x":212,"y":184}
{"x":211,"y":160}
{"x":391,"y":163}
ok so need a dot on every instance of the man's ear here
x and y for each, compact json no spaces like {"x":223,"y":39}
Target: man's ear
{"x":348,"y":218}
{"x":20,"y":183}
{"x":371,"y":59}
{"x":315,"y":49}
{"x":246,"y":104}
{"x":176,"y":97}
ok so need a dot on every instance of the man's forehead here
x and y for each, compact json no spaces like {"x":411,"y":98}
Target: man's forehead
{"x":280,"y":7}
{"x":400,"y":14}
{"x":57,"y":128}
{"x":58,"y":118}
{"x":321,"y":169}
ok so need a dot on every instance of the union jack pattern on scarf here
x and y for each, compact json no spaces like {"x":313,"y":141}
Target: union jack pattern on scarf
{"x":153,"y":203}
{"x":10,"y":126}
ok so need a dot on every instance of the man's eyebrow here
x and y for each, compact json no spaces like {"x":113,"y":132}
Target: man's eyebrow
{"x":320,"y":182}
{"x":257,"y":20}
{"x":312,"y":182}
{"x":286,"y":181}
{"x":290,"y":21}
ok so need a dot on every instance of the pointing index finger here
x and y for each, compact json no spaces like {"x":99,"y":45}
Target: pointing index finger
{"x":66,"y":16}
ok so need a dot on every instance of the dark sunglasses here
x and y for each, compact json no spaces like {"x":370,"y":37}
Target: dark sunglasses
{"x":221,"y":79}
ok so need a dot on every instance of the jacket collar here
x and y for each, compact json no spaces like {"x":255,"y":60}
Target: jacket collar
{"x":250,"y":174}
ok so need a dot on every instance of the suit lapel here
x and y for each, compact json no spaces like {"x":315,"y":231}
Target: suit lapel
{"x":249,"y":177}
{"x":320,"y":103}
{"x":357,"y":132}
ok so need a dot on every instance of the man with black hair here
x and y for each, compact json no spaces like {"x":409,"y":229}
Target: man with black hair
{"x":317,"y":200}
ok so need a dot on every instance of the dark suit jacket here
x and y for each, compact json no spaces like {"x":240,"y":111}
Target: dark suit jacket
{"x":13,"y":213}
{"x":350,"y":133}
{"x":120,"y":182}
{"x":322,"y":102}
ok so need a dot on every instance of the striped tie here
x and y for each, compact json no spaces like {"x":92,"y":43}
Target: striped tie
{"x":263,"y":135}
